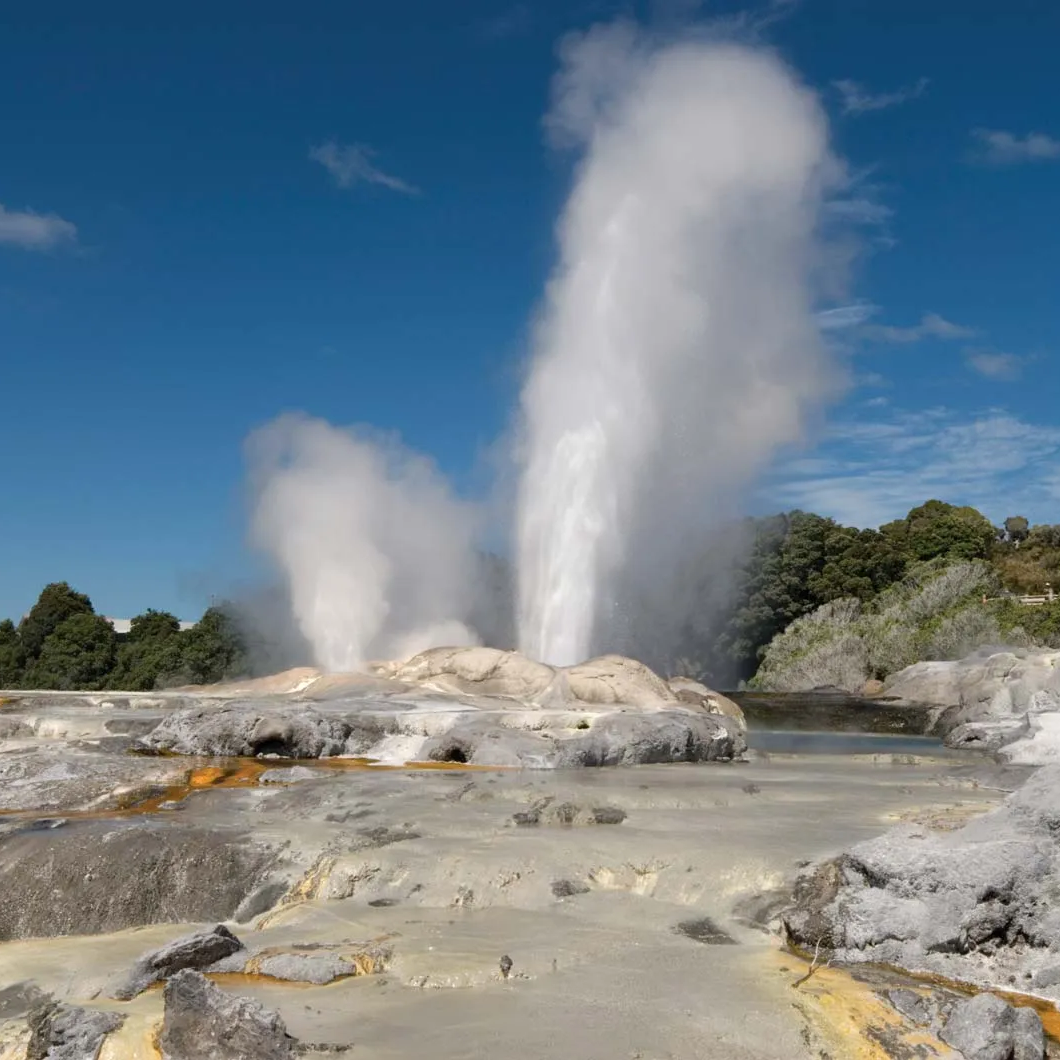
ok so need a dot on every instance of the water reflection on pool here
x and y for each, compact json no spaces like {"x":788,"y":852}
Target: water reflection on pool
{"x":780,"y":741}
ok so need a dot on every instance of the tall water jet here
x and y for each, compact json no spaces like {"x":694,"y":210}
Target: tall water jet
{"x":676,"y":348}
{"x":377,"y":552}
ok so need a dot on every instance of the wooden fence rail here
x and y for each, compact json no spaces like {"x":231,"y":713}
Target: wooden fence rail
{"x":1029,"y":601}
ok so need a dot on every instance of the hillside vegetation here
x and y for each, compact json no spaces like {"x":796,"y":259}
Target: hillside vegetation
{"x":945,"y":605}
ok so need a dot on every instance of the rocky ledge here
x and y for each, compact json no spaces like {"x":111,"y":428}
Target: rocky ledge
{"x":478,"y":706}
{"x":1005,"y":701}
{"x":975,"y":905}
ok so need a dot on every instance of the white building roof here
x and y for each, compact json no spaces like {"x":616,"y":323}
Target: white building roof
{"x":123,"y":625}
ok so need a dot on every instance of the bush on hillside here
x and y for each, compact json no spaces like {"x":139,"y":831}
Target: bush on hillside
{"x":1021,"y":624}
{"x":935,"y":612}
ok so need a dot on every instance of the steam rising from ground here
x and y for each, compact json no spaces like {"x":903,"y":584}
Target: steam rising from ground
{"x":676,"y":351}
{"x":677,"y":348}
{"x":376,"y":551}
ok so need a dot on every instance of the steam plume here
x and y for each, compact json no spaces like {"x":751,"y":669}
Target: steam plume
{"x":676,"y":349}
{"x":376,"y":551}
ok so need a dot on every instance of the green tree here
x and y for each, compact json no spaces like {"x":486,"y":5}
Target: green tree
{"x":1045,"y":535}
{"x":210,"y":651}
{"x":12,"y":655}
{"x":939,"y":529}
{"x":796,"y":562}
{"x":78,"y":654}
{"x":152,"y":625}
{"x":151,"y":649}
{"x":1017,"y":529}
{"x":56,"y":603}
{"x":859,"y":564}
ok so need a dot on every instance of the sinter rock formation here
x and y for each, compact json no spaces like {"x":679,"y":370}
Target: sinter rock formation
{"x":237,"y":903}
{"x":1005,"y":701}
{"x":480,"y":706}
{"x":976,"y":904}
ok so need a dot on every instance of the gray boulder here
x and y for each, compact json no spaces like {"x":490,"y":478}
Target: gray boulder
{"x":996,"y":700}
{"x":315,"y":968}
{"x":198,"y":950}
{"x":663,"y":736}
{"x":975,"y":904}
{"x":247,"y":730}
{"x":66,"y":1032}
{"x":986,"y":1028}
{"x":618,"y":738}
{"x":202,"y":1022}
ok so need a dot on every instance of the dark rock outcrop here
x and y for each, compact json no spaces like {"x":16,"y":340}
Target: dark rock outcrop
{"x":202,"y":1022}
{"x":66,"y":1032}
{"x":198,"y":950}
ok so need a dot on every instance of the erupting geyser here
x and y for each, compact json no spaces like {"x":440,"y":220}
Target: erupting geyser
{"x":675,"y":352}
{"x":677,"y":348}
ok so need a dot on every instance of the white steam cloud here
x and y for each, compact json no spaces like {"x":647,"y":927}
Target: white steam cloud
{"x":677,"y":348}
{"x":676,"y":352}
{"x":376,"y":551}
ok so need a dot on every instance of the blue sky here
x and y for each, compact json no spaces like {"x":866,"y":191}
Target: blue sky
{"x":214,"y":213}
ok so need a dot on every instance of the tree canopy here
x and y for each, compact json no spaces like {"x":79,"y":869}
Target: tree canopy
{"x":12,"y":655}
{"x":152,"y":651}
{"x":78,"y":653}
{"x":63,"y":644}
{"x":937,"y":529}
{"x":1016,"y":528}
{"x":56,"y":603}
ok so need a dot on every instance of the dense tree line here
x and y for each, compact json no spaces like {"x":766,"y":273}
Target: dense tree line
{"x":797,"y":562}
{"x":63,"y":644}
{"x":788,"y":566}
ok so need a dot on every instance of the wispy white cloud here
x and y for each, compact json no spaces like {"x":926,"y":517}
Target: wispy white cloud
{"x":750,"y":23}
{"x":1001,"y":148}
{"x":931,"y":326}
{"x":845,"y":316}
{"x":868,"y":471}
{"x":856,"y":99}
{"x":861,"y":211}
{"x":993,"y":365}
{"x":351,"y":164}
{"x":35,"y":231}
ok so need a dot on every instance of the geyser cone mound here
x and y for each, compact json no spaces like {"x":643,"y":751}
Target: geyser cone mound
{"x":608,"y":680}
{"x":479,"y":706}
